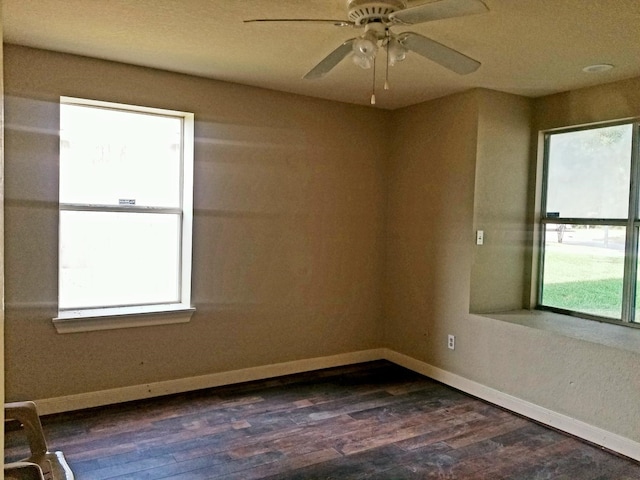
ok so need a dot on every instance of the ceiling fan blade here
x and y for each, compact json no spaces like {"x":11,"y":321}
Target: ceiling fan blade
{"x":337,"y":23}
{"x":438,"y":10}
{"x":445,"y":56}
{"x":331,"y":60}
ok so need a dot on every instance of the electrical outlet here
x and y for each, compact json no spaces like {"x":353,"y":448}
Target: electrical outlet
{"x":451,"y":342}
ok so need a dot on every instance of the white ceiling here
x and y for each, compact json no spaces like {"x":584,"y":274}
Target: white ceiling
{"x":526,"y":47}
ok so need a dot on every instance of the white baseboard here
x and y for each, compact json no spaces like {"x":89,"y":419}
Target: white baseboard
{"x":595,"y":435}
{"x":80,"y":401}
{"x":590,"y":433}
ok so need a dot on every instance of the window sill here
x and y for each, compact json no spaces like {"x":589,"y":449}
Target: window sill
{"x":602,"y":333}
{"x":73,"y":321}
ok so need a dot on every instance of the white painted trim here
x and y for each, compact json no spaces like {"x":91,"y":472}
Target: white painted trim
{"x":137,"y":392}
{"x":124,"y":317}
{"x":590,"y":433}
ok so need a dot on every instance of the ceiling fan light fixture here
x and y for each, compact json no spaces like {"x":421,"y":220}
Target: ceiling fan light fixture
{"x":362,"y":61}
{"x":366,"y":45}
{"x":365,"y":49}
{"x":396,"y":51}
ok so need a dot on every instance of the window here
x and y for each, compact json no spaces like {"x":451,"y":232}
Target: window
{"x":589,"y":223}
{"x":125,"y":199}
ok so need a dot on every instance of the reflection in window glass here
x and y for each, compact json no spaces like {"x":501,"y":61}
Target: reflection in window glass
{"x":588,"y":173}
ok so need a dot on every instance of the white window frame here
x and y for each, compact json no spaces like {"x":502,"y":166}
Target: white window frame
{"x":88,"y":319}
{"x":631,"y":223}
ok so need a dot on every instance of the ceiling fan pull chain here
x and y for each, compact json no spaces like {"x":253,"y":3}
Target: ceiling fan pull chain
{"x":373,"y":84}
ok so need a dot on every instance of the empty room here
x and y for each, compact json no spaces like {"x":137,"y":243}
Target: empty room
{"x":321,"y":239}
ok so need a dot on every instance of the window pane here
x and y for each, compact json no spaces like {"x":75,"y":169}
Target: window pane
{"x":117,"y":259}
{"x":111,"y":155}
{"x":589,"y":172}
{"x":583,"y":269}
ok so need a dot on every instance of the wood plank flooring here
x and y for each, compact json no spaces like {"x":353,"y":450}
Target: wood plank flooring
{"x":368,"y":421}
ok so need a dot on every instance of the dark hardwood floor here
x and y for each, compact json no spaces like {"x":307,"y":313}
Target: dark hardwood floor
{"x":369,"y":421}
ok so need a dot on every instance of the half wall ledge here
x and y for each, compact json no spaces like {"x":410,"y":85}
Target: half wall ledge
{"x":601,"y":333}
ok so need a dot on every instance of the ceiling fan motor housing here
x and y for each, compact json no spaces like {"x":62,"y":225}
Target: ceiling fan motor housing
{"x":362,"y":12}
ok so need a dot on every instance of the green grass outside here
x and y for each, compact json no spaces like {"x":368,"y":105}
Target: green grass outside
{"x":598,"y":297}
{"x":582,"y":281}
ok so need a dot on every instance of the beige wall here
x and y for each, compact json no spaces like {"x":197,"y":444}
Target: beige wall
{"x":443,"y":149}
{"x":429,"y":222}
{"x":287,"y":229}
{"x":613,"y":101}
{"x":313,"y":237}
{"x":498,"y":276}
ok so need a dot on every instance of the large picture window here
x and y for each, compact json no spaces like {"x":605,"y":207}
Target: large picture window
{"x":125,"y":200}
{"x":589,"y":223}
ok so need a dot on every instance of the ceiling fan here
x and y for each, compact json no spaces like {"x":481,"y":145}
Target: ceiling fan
{"x":377,"y":18}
